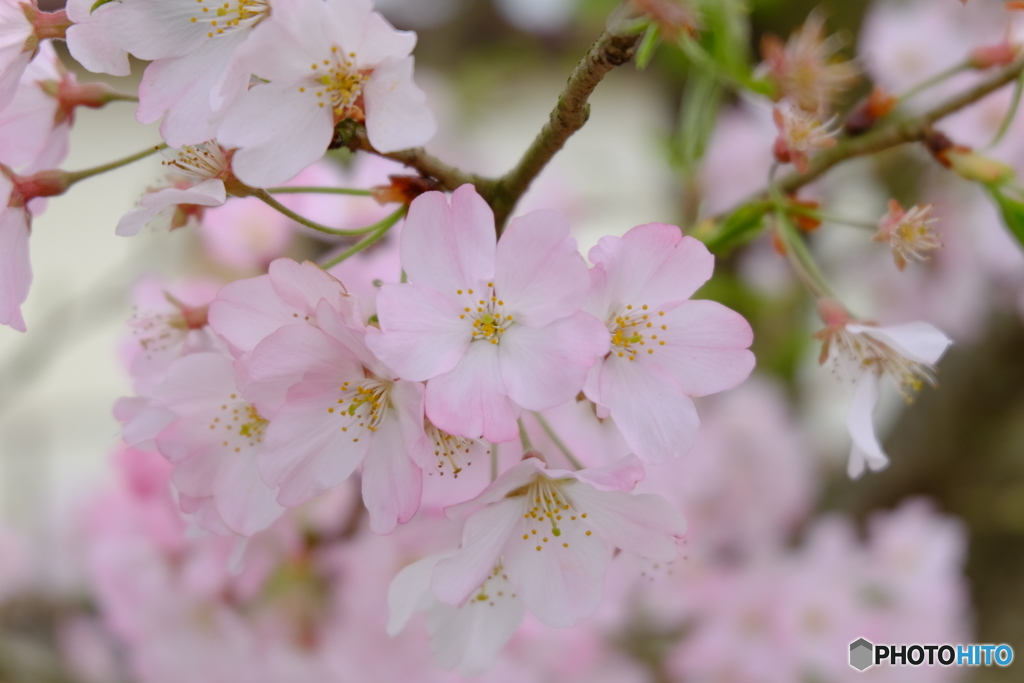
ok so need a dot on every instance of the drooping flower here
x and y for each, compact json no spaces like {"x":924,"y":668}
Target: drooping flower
{"x":346,"y":409}
{"x":864,"y":352}
{"x":800,"y":134}
{"x":344,"y":62}
{"x":554,"y":531}
{"x":22,"y":28}
{"x":909,"y":233}
{"x":192,"y":77}
{"x":494,"y":327}
{"x":805,"y":67}
{"x":665,"y":348}
{"x":467,"y":638}
{"x":202,"y":171}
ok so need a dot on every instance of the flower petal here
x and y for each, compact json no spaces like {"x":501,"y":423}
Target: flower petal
{"x":397,"y":115}
{"x":470,"y":399}
{"x":640,"y":523}
{"x":15,"y":268}
{"x":918,"y":341}
{"x":538,"y":271}
{"x":866,"y":447}
{"x":448,"y":248}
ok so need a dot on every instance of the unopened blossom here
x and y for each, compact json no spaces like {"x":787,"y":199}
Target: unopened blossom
{"x":348,"y":409}
{"x":553,"y":532}
{"x":800,"y":134}
{"x":192,"y":77}
{"x":344,"y":62}
{"x":805,"y":67}
{"x":665,"y":348}
{"x":909,"y":233}
{"x":865,"y":353}
{"x":201,"y":171}
{"x":469,"y":637}
{"x":494,"y":326}
{"x":89,"y":40}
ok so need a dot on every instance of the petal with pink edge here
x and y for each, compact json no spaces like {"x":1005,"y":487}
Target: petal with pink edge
{"x":392,"y":483}
{"x":244,"y":501}
{"x":621,"y":475}
{"x":641,"y":523}
{"x":448,"y":248}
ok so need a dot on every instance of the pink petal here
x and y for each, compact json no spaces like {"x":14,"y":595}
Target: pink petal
{"x":621,"y":475}
{"x":643,"y":523}
{"x":511,"y":479}
{"x":421,"y":335}
{"x":542,"y":368}
{"x":89,"y":41}
{"x":409,"y":592}
{"x":448,"y":248}
{"x":652,"y":264}
{"x":245,"y":503}
{"x":379,"y":41}
{"x":657,"y":419}
{"x":15,"y":268}
{"x":156,"y":29}
{"x":866,"y":447}
{"x":207,"y":193}
{"x":563,"y":582}
{"x":397,"y":115}
{"x":246,"y":312}
{"x":470,"y":400}
{"x":391,"y":481}
{"x":483,"y":538}
{"x":539,"y":273}
{"x":706,"y":347}
{"x":304,"y":285}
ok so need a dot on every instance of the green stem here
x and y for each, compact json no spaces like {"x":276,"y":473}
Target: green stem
{"x":264,"y":196}
{"x":935,"y":80}
{"x":1011,"y":113}
{"x":524,"y":438}
{"x":73,"y":177}
{"x":542,"y":421}
{"x":376,"y":231}
{"x":826,"y":217}
{"x":796,"y":251}
{"x":320,"y":190}
{"x":494,"y":461}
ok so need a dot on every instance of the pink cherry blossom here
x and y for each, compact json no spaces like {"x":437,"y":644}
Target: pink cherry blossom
{"x":203,"y":169}
{"x":34,"y":127}
{"x":89,"y":40}
{"x":467,"y":638}
{"x":553,"y":531}
{"x":800,"y":134}
{"x":494,"y":327}
{"x":247,"y":311}
{"x":665,"y":348}
{"x":347,"y":409}
{"x":909,"y":233}
{"x":344,"y":61}
{"x":18,"y":43}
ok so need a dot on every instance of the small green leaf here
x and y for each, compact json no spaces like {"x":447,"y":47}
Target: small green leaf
{"x":1011,"y":209}
{"x":648,"y":45}
{"x":741,"y":225}
{"x":99,"y":3}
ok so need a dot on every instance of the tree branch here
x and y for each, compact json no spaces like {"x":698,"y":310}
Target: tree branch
{"x":569,"y":115}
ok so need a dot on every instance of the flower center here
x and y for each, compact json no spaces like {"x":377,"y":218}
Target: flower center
{"x":224,"y":16}
{"x":487,"y":312}
{"x":854,"y":352}
{"x":203,"y":161}
{"x":548,"y":511}
{"x":633,"y":328}
{"x":494,"y":587}
{"x":338,"y":84}
{"x":450,"y":450}
{"x":362,"y":406}
{"x":242,"y":422}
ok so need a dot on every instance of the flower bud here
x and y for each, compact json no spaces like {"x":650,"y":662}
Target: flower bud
{"x":403,"y":189}
{"x":993,"y":55}
{"x":878,"y":104}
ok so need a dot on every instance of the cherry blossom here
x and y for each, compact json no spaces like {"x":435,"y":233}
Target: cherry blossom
{"x":18,"y":43}
{"x":909,"y":233}
{"x":905,"y":353}
{"x":34,"y":127}
{"x":347,"y":409}
{"x":467,"y":638}
{"x":665,"y":348}
{"x":89,"y":40}
{"x":202,"y":170}
{"x":494,"y":327}
{"x":554,"y":531}
{"x":344,"y":62}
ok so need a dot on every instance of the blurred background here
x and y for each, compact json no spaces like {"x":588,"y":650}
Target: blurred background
{"x":948,"y":512}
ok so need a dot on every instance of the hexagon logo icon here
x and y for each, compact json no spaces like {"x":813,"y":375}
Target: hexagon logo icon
{"x":861,"y":654}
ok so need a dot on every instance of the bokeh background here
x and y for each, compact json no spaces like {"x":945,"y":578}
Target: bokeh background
{"x":493,"y":70}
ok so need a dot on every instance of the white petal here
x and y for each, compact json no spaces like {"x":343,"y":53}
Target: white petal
{"x":862,"y":429}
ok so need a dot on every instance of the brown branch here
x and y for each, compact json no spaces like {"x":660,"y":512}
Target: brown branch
{"x":569,"y":115}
